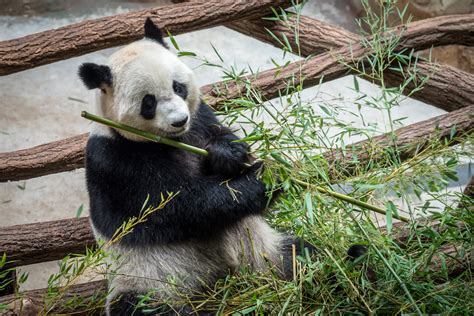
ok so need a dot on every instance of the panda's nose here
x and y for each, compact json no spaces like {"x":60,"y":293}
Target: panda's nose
{"x":180,"y":123}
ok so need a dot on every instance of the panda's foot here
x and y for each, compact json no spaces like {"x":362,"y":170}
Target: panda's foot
{"x":125,"y":304}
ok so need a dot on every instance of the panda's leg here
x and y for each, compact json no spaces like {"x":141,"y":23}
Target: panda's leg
{"x":253,"y":243}
{"x":124,"y":304}
{"x":293,"y":247}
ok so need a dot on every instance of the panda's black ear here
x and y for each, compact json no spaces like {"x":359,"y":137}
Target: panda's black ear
{"x":95,"y":76}
{"x":153,"y":32}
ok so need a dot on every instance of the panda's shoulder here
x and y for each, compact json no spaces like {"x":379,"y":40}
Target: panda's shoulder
{"x":204,"y":117}
{"x":101,"y":148}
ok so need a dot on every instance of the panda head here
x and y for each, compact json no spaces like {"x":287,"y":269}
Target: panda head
{"x":146,"y":86}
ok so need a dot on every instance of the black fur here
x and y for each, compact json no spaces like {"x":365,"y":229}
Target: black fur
{"x":94,"y":76}
{"x":121,"y":173}
{"x":148,"y":107}
{"x":126,"y":305}
{"x":301,"y":247}
{"x":225,"y":157}
{"x":356,"y":251}
{"x":180,"y":89}
{"x":153,"y":32}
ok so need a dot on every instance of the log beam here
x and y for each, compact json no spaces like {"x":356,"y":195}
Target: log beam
{"x":448,"y":88}
{"x":85,"y":37}
{"x":40,"y":242}
{"x":410,"y":140}
{"x":33,"y":302}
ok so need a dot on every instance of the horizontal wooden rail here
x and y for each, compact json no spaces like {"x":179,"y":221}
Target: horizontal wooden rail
{"x":448,"y":88}
{"x":33,"y":302}
{"x":63,"y":155}
{"x":329,"y":66}
{"x":26,"y":245}
{"x":85,"y":37}
{"x":46,"y":241}
{"x":410,"y":140}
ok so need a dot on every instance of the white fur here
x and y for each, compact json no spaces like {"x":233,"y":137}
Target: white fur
{"x":183,"y":268}
{"x":146,"y":67}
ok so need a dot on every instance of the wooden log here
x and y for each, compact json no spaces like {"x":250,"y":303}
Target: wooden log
{"x":92,"y":35}
{"x":66,"y":154}
{"x":410,"y":140}
{"x":33,"y":302}
{"x":448,"y":88}
{"x":329,"y":66}
{"x":46,"y":241}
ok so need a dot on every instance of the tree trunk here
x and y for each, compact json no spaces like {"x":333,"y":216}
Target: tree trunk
{"x":46,"y":241}
{"x":410,"y":140}
{"x":448,"y":88}
{"x":89,"y":36}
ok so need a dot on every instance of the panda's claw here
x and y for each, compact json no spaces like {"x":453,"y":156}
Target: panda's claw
{"x":226,"y":158}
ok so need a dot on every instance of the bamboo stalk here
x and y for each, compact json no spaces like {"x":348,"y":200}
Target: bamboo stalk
{"x":204,"y":152}
{"x":350,"y":200}
{"x":144,"y":134}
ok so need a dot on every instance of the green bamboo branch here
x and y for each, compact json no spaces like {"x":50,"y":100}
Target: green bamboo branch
{"x":144,"y":134}
{"x":350,"y":200}
{"x":200,"y":151}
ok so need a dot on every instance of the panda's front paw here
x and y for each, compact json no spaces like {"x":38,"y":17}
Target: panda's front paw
{"x":226,"y":158}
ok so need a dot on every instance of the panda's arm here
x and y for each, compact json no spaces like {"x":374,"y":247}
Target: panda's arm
{"x":209,"y":205}
{"x":203,"y":207}
{"x":226,"y":157}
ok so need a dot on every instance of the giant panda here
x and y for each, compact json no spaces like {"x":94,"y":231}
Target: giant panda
{"x":206,"y":231}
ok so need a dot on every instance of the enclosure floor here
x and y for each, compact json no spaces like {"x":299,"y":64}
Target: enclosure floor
{"x":44,"y":104}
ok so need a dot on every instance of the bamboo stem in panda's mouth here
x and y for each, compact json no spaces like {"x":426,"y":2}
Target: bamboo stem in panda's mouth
{"x":203,"y":152}
{"x":144,"y":134}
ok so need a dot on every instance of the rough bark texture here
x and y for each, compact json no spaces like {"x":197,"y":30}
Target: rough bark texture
{"x":33,"y":302}
{"x":449,"y":88}
{"x":46,"y":241}
{"x":329,"y":66}
{"x":410,"y":140}
{"x":92,"y":35}
{"x":43,"y":159}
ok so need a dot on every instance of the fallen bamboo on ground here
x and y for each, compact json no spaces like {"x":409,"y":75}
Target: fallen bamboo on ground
{"x":200,"y":151}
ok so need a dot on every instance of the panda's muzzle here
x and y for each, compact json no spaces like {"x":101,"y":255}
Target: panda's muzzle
{"x":180,"y":123}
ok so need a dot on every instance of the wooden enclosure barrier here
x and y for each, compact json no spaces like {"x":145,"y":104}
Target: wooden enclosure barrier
{"x":325,"y":46}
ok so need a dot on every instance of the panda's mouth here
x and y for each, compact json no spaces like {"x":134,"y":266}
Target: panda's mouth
{"x":174,"y":134}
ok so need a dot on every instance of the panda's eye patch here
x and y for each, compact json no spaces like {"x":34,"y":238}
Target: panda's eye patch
{"x":148,"y":108}
{"x":180,"y":89}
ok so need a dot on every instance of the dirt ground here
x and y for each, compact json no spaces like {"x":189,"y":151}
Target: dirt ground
{"x":44,"y":104}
